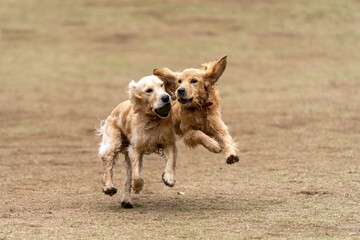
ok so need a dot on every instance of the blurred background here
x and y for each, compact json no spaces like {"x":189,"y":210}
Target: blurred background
{"x":290,"y":96}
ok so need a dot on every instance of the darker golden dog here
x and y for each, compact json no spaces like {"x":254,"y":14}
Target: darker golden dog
{"x":196,"y":112}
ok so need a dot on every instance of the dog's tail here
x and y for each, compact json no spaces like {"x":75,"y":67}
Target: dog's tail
{"x":100,"y":130}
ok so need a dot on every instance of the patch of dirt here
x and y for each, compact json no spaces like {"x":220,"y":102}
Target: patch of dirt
{"x":312,"y":56}
{"x":105,"y":3}
{"x":207,"y":33}
{"x":117,"y":38}
{"x":202,"y":20}
{"x":290,"y":122}
{"x":74,"y":23}
{"x":158,"y":14}
{"x":313,"y":193}
{"x":285,"y":35}
{"x":11,"y":114}
{"x":17,"y":33}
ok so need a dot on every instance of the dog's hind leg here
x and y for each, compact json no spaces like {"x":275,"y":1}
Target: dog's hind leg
{"x":108,"y":152}
{"x":222,"y":134}
{"x":192,"y":138}
{"x":168,"y":176}
{"x":137,"y":182}
{"x":126,"y":201}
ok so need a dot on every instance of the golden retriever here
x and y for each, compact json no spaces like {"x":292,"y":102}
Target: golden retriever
{"x":196,"y":114}
{"x":136,"y":127}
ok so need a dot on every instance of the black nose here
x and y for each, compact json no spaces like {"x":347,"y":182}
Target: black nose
{"x":165,"y":98}
{"x":181,"y":91}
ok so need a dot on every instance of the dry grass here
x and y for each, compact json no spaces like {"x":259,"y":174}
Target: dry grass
{"x":290,"y":95}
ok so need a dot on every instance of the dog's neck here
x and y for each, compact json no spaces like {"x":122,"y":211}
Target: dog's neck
{"x":151,"y":120}
{"x":152,"y":117}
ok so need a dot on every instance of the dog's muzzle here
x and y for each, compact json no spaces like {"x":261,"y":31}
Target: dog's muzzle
{"x":180,"y":94}
{"x":184,"y":100}
{"x":181,"y":91}
{"x":165,"y":98}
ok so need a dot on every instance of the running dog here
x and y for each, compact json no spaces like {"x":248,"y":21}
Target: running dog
{"x":136,"y":127}
{"x":197,"y":117}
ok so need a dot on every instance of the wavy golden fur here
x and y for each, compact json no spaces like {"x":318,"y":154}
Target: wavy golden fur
{"x":197,"y":113}
{"x":136,"y":127}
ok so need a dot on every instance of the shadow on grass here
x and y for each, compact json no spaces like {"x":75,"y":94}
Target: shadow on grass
{"x":200,"y":203}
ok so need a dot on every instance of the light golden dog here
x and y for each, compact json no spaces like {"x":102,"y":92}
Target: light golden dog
{"x":138,"y":126}
{"x":197,"y":114}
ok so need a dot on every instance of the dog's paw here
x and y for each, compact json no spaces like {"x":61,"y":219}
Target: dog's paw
{"x":109,"y":190}
{"x":137,"y":185}
{"x":232,"y":159}
{"x":126,"y":204}
{"x":169,"y":179}
{"x":126,"y":201}
{"x":214,"y":146}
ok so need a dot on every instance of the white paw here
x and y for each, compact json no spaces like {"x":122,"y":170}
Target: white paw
{"x":169,"y":179}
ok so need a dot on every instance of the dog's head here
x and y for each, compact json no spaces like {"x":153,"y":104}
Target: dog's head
{"x":193,"y":84}
{"x":149,"y":95}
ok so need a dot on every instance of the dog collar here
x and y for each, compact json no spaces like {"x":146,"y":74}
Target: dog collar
{"x":208,"y":104}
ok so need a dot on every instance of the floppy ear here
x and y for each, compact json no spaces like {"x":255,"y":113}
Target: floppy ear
{"x":169,"y":79}
{"x":134,"y":97}
{"x":214,"y":69}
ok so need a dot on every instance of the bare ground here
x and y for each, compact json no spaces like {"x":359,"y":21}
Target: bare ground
{"x":290,"y":96}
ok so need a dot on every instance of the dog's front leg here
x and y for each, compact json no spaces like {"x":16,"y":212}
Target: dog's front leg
{"x":168,"y":176}
{"x":222,"y":134}
{"x":126,"y":201}
{"x":194,"y":137}
{"x":137,"y":182}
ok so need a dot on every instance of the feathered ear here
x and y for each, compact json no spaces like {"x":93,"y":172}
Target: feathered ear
{"x":169,"y":79}
{"x":133,"y":91}
{"x":214,"y":69}
{"x":134,"y":97}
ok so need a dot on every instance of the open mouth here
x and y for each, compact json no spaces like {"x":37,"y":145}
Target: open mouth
{"x":184,"y":100}
{"x":164,"y":110}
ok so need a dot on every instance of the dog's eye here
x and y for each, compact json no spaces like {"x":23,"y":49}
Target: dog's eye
{"x":179,"y":81}
{"x":161,"y":85}
{"x":193,"y":80}
{"x":149,"y":90}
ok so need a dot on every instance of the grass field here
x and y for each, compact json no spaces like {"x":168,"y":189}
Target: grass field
{"x":290,"y":96}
